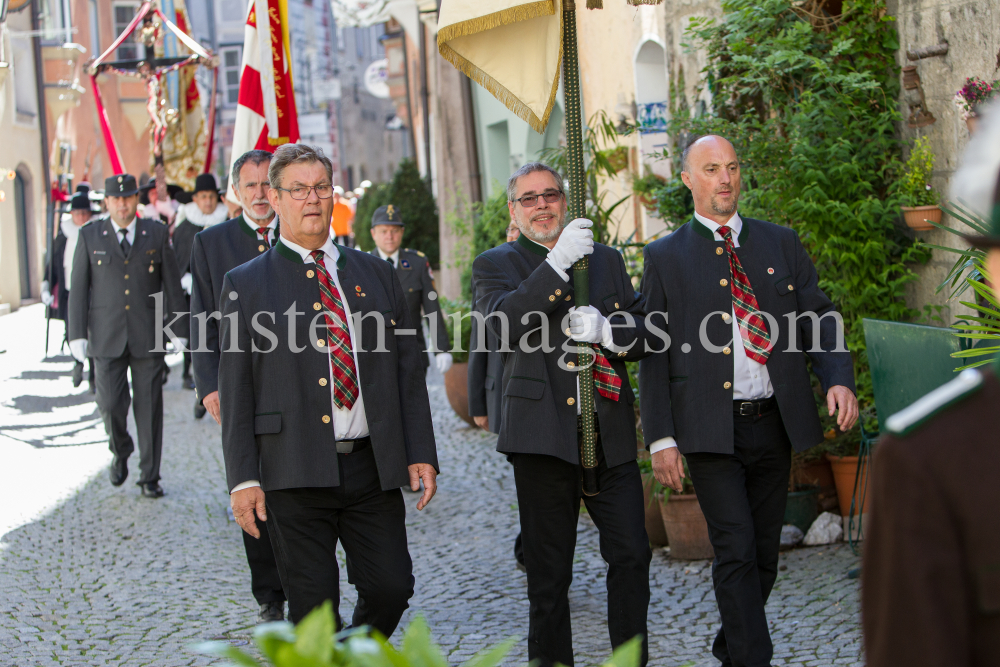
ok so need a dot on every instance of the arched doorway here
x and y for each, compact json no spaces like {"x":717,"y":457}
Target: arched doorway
{"x":651,"y":101}
{"x":21,"y":213}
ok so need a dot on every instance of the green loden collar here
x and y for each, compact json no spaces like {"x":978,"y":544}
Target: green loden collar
{"x":531,"y":246}
{"x":702,"y":230}
{"x":293,"y":256}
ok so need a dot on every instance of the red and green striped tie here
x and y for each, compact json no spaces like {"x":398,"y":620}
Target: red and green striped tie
{"x":753,"y":330}
{"x":345,"y":375}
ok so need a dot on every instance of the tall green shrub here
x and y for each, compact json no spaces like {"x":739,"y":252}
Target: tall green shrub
{"x":811,"y":113}
{"x":377,"y":195}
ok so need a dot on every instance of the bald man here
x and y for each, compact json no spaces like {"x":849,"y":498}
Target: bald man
{"x":730,"y":390}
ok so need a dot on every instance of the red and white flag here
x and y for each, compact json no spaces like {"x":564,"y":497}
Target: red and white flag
{"x":265,"y":116}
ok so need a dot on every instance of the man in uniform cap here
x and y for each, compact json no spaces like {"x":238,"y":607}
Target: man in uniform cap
{"x":931,"y":574}
{"x":55,"y":289}
{"x":122,"y":269}
{"x":216,"y":251}
{"x":414,"y":271}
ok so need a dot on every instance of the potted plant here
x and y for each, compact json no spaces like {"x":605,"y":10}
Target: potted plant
{"x":842,"y":453}
{"x":456,"y":380}
{"x":651,"y":491}
{"x":812,"y":469}
{"x":684,"y":522}
{"x":921,"y":207}
{"x":973,"y":95}
{"x":645,"y":189}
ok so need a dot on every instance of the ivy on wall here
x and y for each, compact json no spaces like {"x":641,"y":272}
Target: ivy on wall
{"x":812,"y":113}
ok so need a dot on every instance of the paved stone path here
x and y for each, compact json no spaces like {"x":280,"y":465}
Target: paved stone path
{"x":109,"y":578}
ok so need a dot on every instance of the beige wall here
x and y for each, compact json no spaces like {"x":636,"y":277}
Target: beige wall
{"x":21,"y":151}
{"x":972,"y":30}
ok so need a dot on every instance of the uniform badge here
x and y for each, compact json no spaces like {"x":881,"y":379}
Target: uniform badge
{"x":404,"y":263}
{"x":770,"y":272}
{"x":430,"y":271}
{"x":388,"y":211}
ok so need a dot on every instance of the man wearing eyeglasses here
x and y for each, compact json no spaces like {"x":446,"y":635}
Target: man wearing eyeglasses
{"x":525,"y":289}
{"x":215,"y":251}
{"x":325,"y":411}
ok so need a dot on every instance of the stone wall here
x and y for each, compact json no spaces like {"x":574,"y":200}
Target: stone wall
{"x":972,"y":30}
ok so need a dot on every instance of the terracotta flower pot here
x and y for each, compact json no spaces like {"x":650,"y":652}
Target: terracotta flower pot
{"x":456,"y":385}
{"x":845,"y":472}
{"x":819,"y":473}
{"x":919,"y":218}
{"x":972,"y":123}
{"x":654,"y":519}
{"x":686,"y":527}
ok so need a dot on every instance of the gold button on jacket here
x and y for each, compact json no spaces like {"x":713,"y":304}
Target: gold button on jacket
{"x":727,"y":385}
{"x":310,"y":273}
{"x":317,"y":306}
{"x":723,"y":282}
{"x":718,"y":251}
{"x":552,"y":298}
{"x":326,"y":419}
{"x":322,"y":382}
{"x":570,"y":401}
{"x":726,"y":350}
{"x":321,"y":342}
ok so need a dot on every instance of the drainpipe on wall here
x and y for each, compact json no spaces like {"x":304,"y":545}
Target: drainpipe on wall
{"x":43,"y":130}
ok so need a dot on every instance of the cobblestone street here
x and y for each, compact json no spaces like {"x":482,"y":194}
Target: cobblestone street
{"x":101,"y":576}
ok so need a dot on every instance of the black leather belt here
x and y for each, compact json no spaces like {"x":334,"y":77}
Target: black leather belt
{"x":351,"y":446}
{"x":755,"y":408}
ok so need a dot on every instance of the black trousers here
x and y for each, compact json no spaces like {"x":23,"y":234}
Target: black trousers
{"x":113,"y":400}
{"x":548,"y":498}
{"x":305,"y":525}
{"x":743,"y":496}
{"x":265,"y":582}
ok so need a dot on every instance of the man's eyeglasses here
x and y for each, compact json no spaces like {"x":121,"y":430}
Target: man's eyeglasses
{"x":550,"y":197}
{"x":302,"y":192}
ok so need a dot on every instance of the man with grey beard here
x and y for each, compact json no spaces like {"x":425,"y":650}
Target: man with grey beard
{"x":730,"y":391}
{"x":526,"y":290}
{"x":216,"y":251}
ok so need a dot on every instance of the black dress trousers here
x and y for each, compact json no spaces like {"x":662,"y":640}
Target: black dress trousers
{"x":305,"y":525}
{"x":743,"y":496}
{"x":114,"y":399}
{"x":548,"y":499}
{"x":265,"y":582}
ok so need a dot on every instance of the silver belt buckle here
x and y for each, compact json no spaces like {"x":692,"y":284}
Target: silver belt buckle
{"x":345,"y":446}
{"x":750,"y":406}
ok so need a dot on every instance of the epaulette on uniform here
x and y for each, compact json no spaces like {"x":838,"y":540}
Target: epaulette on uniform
{"x":420,"y":253}
{"x":920,"y":412}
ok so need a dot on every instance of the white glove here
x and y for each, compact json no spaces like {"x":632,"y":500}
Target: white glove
{"x":587,"y":325}
{"x":47,"y":297}
{"x":186,"y":281}
{"x":576,"y":241}
{"x":78,"y":348}
{"x":443,"y":361}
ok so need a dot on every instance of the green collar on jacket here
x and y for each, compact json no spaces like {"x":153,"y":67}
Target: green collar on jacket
{"x":701,"y":230}
{"x":293,"y":256}
{"x":531,"y":246}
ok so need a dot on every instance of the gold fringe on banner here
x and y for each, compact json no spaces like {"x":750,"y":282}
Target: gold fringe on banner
{"x":595,"y":4}
{"x":499,"y":91}
{"x":644,"y":2}
{"x":495,"y":20}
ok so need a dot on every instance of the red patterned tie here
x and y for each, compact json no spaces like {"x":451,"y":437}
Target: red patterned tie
{"x":263,"y":232}
{"x":345,"y":375}
{"x":753,"y":330}
{"x":606,"y":381}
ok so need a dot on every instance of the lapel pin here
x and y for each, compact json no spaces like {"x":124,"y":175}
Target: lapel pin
{"x":363,"y":294}
{"x":770,"y":272}
{"x":405,"y":264}
{"x":144,"y":232}
{"x":150,"y":268}
{"x":105,"y":232}
{"x":357,"y":288}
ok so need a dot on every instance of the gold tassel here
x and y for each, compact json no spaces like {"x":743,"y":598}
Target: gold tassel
{"x":495,"y":20}
{"x":644,"y":2}
{"x":595,"y":4}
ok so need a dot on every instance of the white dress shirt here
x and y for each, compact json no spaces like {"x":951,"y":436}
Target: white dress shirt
{"x":252,"y":224}
{"x":129,"y":233}
{"x":751,"y":381}
{"x":348,"y":424}
{"x":394,"y":256}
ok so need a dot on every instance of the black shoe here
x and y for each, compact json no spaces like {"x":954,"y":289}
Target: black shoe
{"x":119,"y":470}
{"x":151,"y":490}
{"x":270,"y":612}
{"x":187,"y":382}
{"x":199,"y":410}
{"x":77,"y":373}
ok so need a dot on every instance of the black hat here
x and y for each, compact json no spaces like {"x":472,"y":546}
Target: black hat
{"x":83,"y":187}
{"x":80,"y":202}
{"x":205,"y":182}
{"x":121,"y":185}
{"x":387,"y":215}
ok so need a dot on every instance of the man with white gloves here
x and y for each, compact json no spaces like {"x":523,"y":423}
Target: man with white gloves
{"x":125,"y":284}
{"x":415,"y":275}
{"x":525,"y":290}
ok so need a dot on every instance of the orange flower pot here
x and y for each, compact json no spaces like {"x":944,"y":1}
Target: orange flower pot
{"x":919,"y":218}
{"x":845,"y":473}
{"x":686,"y":527}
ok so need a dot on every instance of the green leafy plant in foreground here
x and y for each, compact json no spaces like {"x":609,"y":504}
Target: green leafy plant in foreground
{"x":315,"y":643}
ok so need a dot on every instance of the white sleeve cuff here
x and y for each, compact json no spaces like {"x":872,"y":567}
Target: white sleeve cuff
{"x":562,"y":274}
{"x":245,"y":485}
{"x":661,"y":444}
